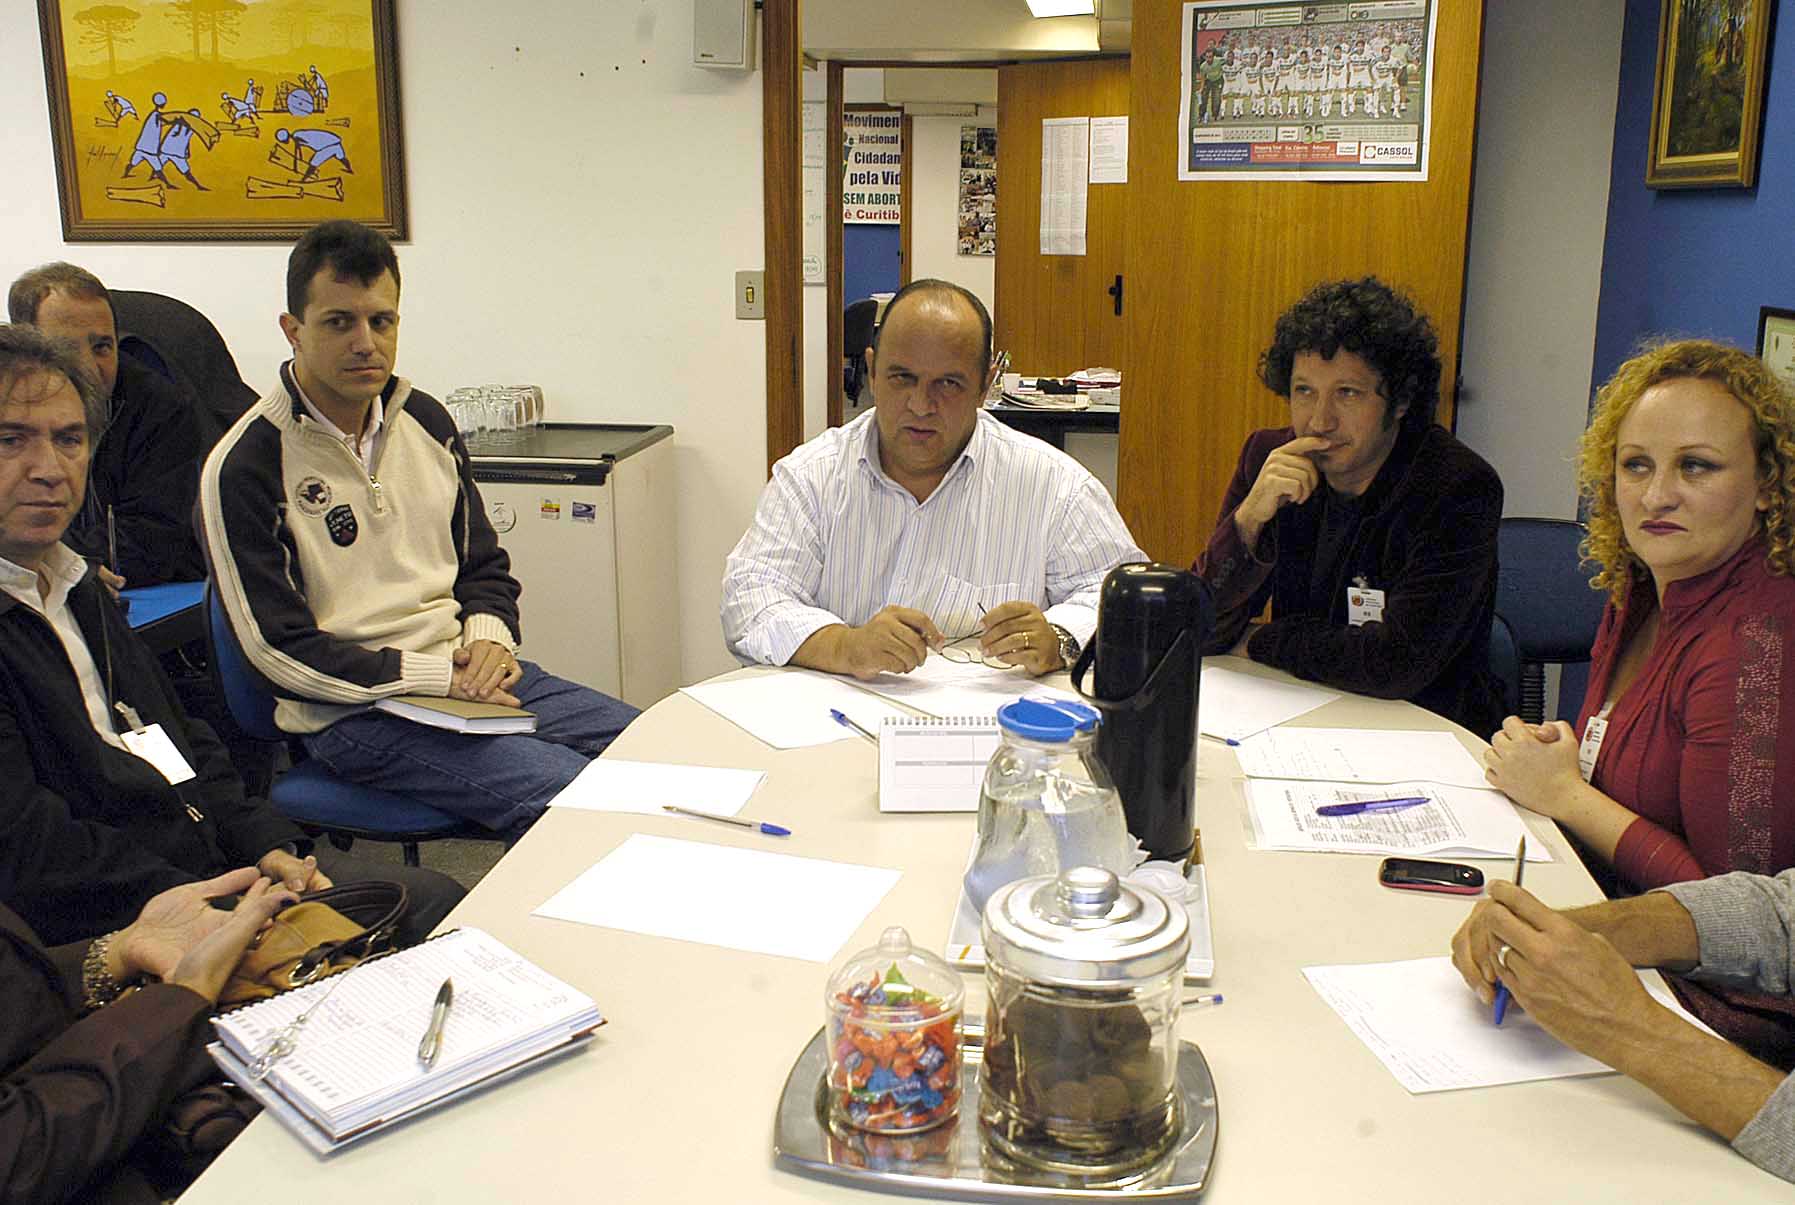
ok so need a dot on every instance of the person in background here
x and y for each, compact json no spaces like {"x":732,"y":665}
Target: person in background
{"x":1369,"y":528}
{"x":1682,"y":761}
{"x":88,"y":1076}
{"x":109,"y":790}
{"x":1573,"y":973}
{"x":146,"y":457}
{"x":924,"y":521}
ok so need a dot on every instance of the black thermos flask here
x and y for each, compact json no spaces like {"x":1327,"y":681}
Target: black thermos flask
{"x":1152,"y":621}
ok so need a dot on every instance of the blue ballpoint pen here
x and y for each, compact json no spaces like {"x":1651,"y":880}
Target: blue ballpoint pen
{"x":1502,"y":996}
{"x":845,"y":722}
{"x":1359,"y":807}
{"x":771,"y":830}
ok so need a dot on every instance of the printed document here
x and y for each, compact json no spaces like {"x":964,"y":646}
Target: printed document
{"x":610,"y":784}
{"x":1234,"y":705}
{"x":1359,"y":755}
{"x":1455,"y":821}
{"x":718,"y":895}
{"x":1423,"y":1023}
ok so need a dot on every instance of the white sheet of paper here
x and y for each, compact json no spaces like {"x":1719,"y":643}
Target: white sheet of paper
{"x":1423,"y":1023}
{"x":614,"y":785}
{"x":743,"y":899}
{"x":790,"y":710}
{"x":1065,"y":174}
{"x":1459,"y":821}
{"x":1359,"y":755}
{"x":1109,"y":150}
{"x":1234,"y":706}
{"x":941,"y":687}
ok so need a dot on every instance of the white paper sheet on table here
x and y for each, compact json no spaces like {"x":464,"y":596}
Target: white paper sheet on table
{"x":948,"y":688}
{"x":719,"y":895}
{"x":614,"y":785}
{"x":1457,"y":821}
{"x":790,"y":709}
{"x":1359,"y":755}
{"x":1234,"y":706}
{"x":1423,"y":1023}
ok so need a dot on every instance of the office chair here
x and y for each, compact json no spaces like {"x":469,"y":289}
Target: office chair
{"x":309,"y":794}
{"x":1543,"y":594}
{"x":1505,"y":663}
{"x":856,"y":337}
{"x":182,"y":345}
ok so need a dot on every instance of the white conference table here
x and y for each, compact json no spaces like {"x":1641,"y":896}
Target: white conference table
{"x":674,"y":1100}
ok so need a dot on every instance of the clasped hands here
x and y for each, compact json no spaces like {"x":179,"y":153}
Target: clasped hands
{"x":898,"y":639}
{"x":1535,"y":765}
{"x":485,"y":671}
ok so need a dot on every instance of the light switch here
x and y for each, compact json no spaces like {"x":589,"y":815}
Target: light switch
{"x":751,"y":295}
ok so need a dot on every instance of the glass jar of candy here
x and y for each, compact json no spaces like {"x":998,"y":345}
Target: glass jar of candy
{"x":1084,"y":975}
{"x":894,"y":1039}
{"x":1047,"y":803}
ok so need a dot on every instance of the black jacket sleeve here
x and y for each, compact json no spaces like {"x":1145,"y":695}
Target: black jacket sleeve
{"x":1240,"y":581}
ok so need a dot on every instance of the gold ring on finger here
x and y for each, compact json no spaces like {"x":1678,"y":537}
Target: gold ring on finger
{"x":1502,"y":955}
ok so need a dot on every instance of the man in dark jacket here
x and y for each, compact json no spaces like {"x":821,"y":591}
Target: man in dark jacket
{"x":1370,"y":529}
{"x":145,"y":464}
{"x":109,"y":792}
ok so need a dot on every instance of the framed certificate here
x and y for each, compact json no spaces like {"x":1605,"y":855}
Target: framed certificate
{"x":1776,"y":341}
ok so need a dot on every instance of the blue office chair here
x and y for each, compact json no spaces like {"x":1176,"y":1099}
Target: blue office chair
{"x":1505,"y":663}
{"x":309,"y":794}
{"x":1543,"y":594}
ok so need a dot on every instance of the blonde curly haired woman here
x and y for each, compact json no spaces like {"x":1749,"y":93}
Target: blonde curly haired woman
{"x":1682,"y":763}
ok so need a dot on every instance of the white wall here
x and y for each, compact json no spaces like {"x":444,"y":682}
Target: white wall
{"x":935,"y":206}
{"x":1539,"y":207}
{"x":580,"y":198}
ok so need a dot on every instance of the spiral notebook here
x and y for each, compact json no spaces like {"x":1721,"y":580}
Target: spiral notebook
{"x":353,"y":1067}
{"x":934,"y":763}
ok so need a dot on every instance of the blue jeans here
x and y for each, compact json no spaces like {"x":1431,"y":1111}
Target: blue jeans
{"x":500,"y":782}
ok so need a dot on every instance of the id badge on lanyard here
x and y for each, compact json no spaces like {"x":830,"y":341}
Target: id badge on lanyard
{"x":1591,"y":748}
{"x":1363,"y":604}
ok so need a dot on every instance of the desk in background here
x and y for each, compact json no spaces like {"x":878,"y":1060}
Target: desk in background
{"x":1053,"y":425}
{"x":167,"y":616}
{"x":674,"y":1101}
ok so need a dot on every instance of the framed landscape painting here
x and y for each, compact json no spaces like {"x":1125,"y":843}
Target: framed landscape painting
{"x":203,"y":120}
{"x":1708,"y":109}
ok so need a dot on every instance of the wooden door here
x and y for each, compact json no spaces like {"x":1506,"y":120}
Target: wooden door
{"x":1210,"y":266}
{"x":1054,"y":313}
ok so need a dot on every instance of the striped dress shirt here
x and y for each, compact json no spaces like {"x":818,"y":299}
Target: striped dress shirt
{"x":834,"y":540}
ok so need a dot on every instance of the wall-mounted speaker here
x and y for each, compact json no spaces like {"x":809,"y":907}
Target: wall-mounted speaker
{"x":723,"y":34}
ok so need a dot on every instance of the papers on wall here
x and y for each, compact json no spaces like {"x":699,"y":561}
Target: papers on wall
{"x":1359,"y":755}
{"x":1423,"y":1023}
{"x":1233,"y":706}
{"x":949,"y":688}
{"x":613,"y":785}
{"x":1109,"y":150}
{"x":790,"y":709}
{"x":815,"y":167}
{"x":354,"y":1066}
{"x":1065,"y":158}
{"x":742,"y":899}
{"x":1456,"y":821}
{"x":935,"y":764}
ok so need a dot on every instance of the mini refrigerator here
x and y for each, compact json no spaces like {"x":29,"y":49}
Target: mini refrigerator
{"x":586,"y":513}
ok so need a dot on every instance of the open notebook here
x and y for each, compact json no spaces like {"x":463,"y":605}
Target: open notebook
{"x":354,"y":1068}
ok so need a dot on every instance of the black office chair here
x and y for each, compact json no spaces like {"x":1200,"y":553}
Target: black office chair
{"x":181,"y":343}
{"x":856,"y":337}
{"x":1505,"y":663}
{"x":1543,"y":594}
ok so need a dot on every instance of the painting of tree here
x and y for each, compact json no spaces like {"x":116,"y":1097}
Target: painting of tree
{"x":107,"y":25}
{"x":209,"y":20}
{"x":1708,"y":110}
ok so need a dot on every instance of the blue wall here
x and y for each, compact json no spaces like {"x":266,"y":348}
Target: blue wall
{"x":870,"y":260}
{"x":1694,"y":261}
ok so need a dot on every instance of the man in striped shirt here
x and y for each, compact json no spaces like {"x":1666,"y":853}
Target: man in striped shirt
{"x":923,"y":521}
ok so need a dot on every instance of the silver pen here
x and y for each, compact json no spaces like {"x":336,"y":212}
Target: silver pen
{"x":432,"y":1045}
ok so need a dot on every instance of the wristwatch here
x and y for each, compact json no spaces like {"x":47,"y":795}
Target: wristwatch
{"x":1068,"y":644}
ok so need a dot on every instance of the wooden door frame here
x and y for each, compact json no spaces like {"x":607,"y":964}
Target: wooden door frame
{"x":782,"y":198}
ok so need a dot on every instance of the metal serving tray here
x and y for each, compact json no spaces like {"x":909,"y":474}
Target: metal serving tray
{"x":952,"y":1162}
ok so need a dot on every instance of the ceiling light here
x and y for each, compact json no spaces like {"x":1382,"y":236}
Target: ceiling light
{"x":1062,"y":8}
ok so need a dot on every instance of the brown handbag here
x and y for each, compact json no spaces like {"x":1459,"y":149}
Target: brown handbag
{"x":326,"y":932}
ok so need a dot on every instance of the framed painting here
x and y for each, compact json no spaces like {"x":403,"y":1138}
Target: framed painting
{"x":1708,"y":106}
{"x":236,"y":120}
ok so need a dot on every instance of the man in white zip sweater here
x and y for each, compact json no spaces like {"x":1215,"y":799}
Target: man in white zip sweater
{"x":354,"y":557}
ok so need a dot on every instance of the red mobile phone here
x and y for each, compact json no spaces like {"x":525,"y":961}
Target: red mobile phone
{"x":1413,"y":874}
